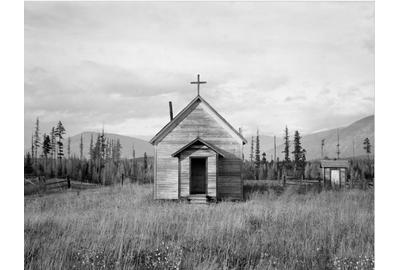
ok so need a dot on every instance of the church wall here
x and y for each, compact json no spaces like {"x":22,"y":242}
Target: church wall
{"x":199,"y":123}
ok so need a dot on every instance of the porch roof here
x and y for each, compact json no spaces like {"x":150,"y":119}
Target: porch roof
{"x":199,"y":140}
{"x":338,"y":163}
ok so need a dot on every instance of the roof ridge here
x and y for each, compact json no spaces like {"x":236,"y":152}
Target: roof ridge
{"x":184,"y":110}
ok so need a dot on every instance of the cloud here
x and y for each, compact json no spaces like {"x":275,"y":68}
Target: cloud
{"x":296,"y":98}
{"x":89,"y":63}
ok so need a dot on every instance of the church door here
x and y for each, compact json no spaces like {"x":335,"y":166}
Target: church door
{"x":198,"y":175}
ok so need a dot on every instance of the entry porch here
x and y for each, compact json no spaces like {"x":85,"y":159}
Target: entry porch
{"x":197,"y":170}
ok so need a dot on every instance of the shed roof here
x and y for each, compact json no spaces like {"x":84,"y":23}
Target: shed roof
{"x":182,"y":115}
{"x":199,"y":140}
{"x":338,"y":163}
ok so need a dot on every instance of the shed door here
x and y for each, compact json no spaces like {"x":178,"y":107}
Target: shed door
{"x":335,"y":177}
{"x":198,"y":175}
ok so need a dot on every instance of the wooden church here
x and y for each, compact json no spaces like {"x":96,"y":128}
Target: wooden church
{"x":198,"y":155}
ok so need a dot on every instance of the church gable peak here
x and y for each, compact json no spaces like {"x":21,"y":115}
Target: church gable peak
{"x":187,"y":111}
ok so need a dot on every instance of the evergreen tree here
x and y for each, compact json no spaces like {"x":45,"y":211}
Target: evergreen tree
{"x":257,"y":156}
{"x":81,"y":148}
{"x":257,"y":151}
{"x":133,"y":162}
{"x":303,"y":157}
{"x":46,"y":146}
{"x":109,"y":149}
{"x":286,"y":147}
{"x":298,"y":153}
{"x":69,"y":147}
{"x":251,"y":151}
{"x":59,"y":132}
{"x":32,"y":146}
{"x":102,"y":145}
{"x":117,"y":150}
{"x":53,"y":142}
{"x":36,"y":140}
{"x":91,"y":153}
{"x":145,"y":162}
{"x":367,"y":146}
{"x":28,"y":169}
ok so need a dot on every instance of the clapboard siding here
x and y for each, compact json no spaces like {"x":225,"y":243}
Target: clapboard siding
{"x":224,"y":180}
{"x":185,"y":170}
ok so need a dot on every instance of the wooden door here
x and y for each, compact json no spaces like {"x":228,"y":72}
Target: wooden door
{"x":335,"y":177}
{"x":198,"y":175}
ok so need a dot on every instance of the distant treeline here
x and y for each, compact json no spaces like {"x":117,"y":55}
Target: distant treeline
{"x":360,"y":169}
{"x":296,"y":165}
{"x":104,"y":165}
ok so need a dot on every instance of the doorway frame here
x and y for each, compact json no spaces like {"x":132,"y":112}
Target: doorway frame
{"x":190,"y":174}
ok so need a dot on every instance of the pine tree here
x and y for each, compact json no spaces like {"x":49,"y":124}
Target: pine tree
{"x":32,"y":146}
{"x":257,"y":156}
{"x":133,"y":162}
{"x":81,"y":147}
{"x":46,"y":145}
{"x":117,"y":150}
{"x":69,"y":147}
{"x":59,"y":132}
{"x":53,"y":142}
{"x":28,"y":164}
{"x":264,"y":159}
{"x":102,"y":145}
{"x":367,"y":146}
{"x":286,"y":147}
{"x":297,"y":148}
{"x":303,"y":157}
{"x":46,"y":148}
{"x":91,"y":157}
{"x":145,"y":162}
{"x":36,"y":140}
{"x":91,"y":153}
{"x":251,"y":151}
{"x":367,"y":172}
{"x":109,"y":149}
{"x":298,"y":153}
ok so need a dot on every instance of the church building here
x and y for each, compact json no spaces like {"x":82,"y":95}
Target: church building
{"x":198,"y":155}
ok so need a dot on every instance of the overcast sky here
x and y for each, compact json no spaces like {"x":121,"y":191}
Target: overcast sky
{"x":267,"y":64}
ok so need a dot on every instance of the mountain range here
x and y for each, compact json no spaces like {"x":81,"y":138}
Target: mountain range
{"x":357,"y":132}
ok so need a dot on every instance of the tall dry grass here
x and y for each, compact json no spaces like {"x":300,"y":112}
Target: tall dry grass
{"x":123,"y":228}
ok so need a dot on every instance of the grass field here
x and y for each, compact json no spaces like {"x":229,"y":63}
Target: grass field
{"x":123,"y":228}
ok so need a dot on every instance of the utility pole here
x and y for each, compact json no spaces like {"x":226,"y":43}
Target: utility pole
{"x":322,"y":148}
{"x":338,"y":145}
{"x":274,"y":148}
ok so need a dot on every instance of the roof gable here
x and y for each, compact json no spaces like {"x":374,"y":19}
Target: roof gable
{"x":185,"y":112}
{"x":335,"y":163}
{"x":199,"y":140}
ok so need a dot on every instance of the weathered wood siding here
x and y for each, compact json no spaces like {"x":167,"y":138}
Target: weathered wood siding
{"x":185,"y":170}
{"x":200,"y":122}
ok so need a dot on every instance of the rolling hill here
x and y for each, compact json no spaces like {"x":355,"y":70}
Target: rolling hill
{"x":358,"y":131}
{"x":127,"y":143}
